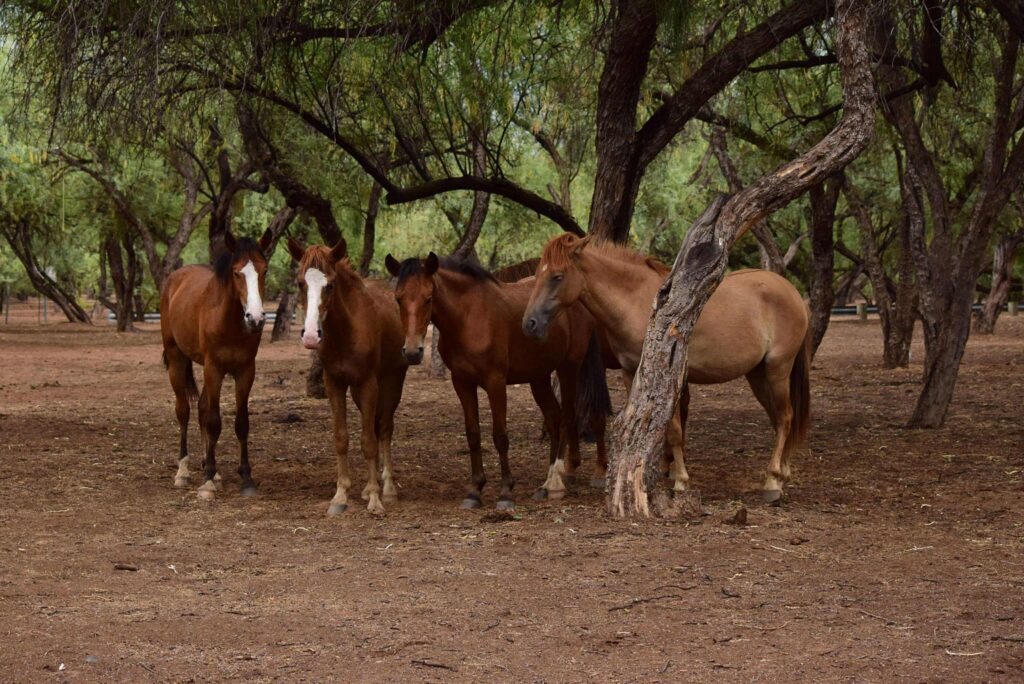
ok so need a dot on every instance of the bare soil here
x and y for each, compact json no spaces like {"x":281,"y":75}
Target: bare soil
{"x":896,"y":555}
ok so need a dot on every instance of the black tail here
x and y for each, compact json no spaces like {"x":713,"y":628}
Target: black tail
{"x":593,"y":402}
{"x":191,"y":391}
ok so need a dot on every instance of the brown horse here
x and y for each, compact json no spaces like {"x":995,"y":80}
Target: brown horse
{"x":214,"y":317}
{"x":483,"y":346}
{"x":755,"y":325}
{"x":355,"y":325}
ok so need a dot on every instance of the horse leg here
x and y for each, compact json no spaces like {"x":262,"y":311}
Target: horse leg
{"x":243,"y":385}
{"x":209,"y":404}
{"x":545,"y":397}
{"x":568,"y":380}
{"x":390,"y":397}
{"x":336,"y":392}
{"x":366,"y":396}
{"x":776,"y":384}
{"x":497,"y":395}
{"x":471,"y":411}
{"x":676,"y":439}
{"x":177,"y":370}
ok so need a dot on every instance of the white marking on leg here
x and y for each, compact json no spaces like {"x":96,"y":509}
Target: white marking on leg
{"x":315,"y":282}
{"x":181,"y":477}
{"x":679,"y":475}
{"x":208,"y":491}
{"x":554,"y":484}
{"x":253,"y":303}
{"x":390,"y":491}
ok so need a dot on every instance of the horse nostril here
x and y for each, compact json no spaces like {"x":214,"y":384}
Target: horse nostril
{"x":531,"y":324}
{"x":319,"y":332}
{"x":420,"y":349}
{"x":303,"y":333}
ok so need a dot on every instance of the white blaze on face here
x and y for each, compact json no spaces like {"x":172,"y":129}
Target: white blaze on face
{"x":315,"y":282}
{"x":253,"y":303}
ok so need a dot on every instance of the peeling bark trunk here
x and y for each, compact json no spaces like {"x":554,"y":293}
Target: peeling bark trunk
{"x":1003,"y":256}
{"x":370,"y":230}
{"x":639,"y":429}
{"x":823,"y":199}
{"x":123,"y":276}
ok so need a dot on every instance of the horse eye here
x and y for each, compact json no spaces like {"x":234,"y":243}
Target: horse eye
{"x":430,"y":299}
{"x":557,"y":278}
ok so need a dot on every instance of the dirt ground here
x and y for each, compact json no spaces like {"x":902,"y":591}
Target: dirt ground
{"x":896,"y":556}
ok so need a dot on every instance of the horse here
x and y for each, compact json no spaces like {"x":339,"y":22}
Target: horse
{"x":354,"y":323}
{"x":517,"y":271}
{"x":214,"y":317}
{"x":483,"y":346}
{"x":755,"y":325}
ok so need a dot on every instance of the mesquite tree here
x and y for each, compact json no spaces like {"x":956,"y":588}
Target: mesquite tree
{"x":700,"y":266}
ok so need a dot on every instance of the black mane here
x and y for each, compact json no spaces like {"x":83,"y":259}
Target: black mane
{"x":411,"y":267}
{"x":467,"y":268}
{"x":243,"y":247}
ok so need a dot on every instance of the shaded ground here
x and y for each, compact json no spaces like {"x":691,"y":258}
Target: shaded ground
{"x":896,"y":556}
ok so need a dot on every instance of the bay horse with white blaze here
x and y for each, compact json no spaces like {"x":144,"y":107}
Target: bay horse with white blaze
{"x":755,"y":325}
{"x":214,"y":317}
{"x":483,"y":346}
{"x":354,"y":323}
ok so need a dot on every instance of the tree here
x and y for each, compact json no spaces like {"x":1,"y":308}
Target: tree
{"x":700,"y":266}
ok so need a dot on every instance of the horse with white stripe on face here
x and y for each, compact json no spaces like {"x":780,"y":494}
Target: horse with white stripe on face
{"x":355,"y":325}
{"x":214,"y":317}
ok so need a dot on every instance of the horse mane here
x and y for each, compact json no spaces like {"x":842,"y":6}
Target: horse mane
{"x":468,"y":268}
{"x":244,"y":247}
{"x":558,"y":250}
{"x":523,"y":269}
{"x":319,"y":257}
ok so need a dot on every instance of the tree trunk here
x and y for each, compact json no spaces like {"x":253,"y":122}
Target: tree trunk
{"x":315,"y":388}
{"x":19,"y":238}
{"x":1003,"y":256}
{"x":638,"y":434}
{"x":437,"y":367}
{"x":370,"y":230}
{"x":286,"y":307}
{"x":123,"y":280}
{"x":823,"y":199}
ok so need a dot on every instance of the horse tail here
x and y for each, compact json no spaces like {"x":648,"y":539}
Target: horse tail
{"x":593,"y":403}
{"x":800,"y":396}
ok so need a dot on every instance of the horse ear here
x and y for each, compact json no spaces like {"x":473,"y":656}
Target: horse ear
{"x":577,"y":249}
{"x":431,"y":264}
{"x":391,"y":263}
{"x":229,"y":242}
{"x":295,"y":248}
{"x":340,"y":250}
{"x":266,"y":240}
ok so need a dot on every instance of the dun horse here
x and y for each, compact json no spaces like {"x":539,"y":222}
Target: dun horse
{"x":214,"y":317}
{"x":755,"y":324}
{"x":356,"y":326}
{"x":483,"y":345}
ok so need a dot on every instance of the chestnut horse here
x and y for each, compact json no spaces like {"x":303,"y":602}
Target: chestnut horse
{"x":214,"y":317}
{"x":355,"y":325}
{"x":755,"y":325}
{"x":483,"y":346}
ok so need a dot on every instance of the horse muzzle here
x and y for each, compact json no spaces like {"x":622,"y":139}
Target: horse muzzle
{"x":536,"y":326}
{"x":312,"y":341}
{"x":413,"y":356}
{"x":253,"y":324}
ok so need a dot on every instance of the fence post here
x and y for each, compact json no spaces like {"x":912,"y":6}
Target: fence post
{"x":862,"y":311}
{"x":1012,"y":308}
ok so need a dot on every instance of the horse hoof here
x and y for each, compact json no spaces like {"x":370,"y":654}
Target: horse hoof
{"x":249,"y":491}
{"x":375,"y":508}
{"x":598,"y":483}
{"x":505,"y":505}
{"x":337,"y":509}
{"x":556,"y":494}
{"x":470,"y":503}
{"x":206,"y":494}
{"x":541,"y":494}
{"x":181,"y":482}
{"x":772,"y":496}
{"x":389,"y":497}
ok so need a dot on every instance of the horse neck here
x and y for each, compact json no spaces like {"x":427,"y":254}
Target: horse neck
{"x":343,"y":308}
{"x":452,"y":297}
{"x":614,"y":285}
{"x":227,"y":307}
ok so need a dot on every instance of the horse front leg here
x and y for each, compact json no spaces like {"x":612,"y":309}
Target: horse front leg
{"x":243,"y":385}
{"x":553,"y":486}
{"x":209,"y":417}
{"x":339,"y":413}
{"x":676,"y":437}
{"x":366,"y":396}
{"x":466,"y":392}
{"x":497,"y":395}
{"x":178,"y":370}
{"x":568,"y":381}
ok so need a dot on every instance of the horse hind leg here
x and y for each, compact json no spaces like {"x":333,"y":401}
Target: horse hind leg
{"x":385,"y":430}
{"x":776,"y":386}
{"x":675,"y":438}
{"x":554,"y":486}
{"x":179,"y":371}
